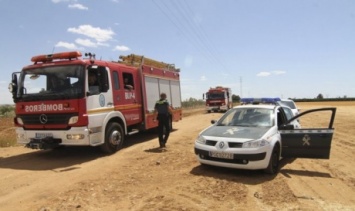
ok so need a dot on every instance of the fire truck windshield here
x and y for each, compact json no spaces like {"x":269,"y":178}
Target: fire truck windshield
{"x":51,"y":83}
{"x":215,"y":95}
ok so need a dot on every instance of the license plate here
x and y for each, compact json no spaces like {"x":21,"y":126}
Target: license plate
{"x":43,"y":135}
{"x":224,"y":155}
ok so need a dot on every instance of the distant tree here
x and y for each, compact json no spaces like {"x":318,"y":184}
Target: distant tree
{"x":4,"y":109}
{"x":192,"y":102}
{"x":235,"y":98}
{"x":320,"y":96}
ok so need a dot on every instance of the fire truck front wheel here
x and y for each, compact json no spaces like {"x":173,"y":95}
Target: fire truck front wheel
{"x":114,"y":138}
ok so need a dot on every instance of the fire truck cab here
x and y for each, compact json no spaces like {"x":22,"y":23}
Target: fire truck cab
{"x":62,"y":99}
{"x":218,"y":98}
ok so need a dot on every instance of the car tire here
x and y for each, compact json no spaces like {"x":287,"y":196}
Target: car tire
{"x":274,"y":162}
{"x":114,"y":138}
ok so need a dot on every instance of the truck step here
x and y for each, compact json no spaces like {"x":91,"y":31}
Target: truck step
{"x":134,"y":131}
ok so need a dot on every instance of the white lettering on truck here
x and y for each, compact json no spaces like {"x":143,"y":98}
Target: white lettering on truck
{"x":43,"y":107}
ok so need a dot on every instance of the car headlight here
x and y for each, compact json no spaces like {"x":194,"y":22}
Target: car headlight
{"x":255,"y":144}
{"x":200,"y":139}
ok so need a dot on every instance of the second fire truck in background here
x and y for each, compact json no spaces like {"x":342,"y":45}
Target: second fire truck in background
{"x":218,"y":98}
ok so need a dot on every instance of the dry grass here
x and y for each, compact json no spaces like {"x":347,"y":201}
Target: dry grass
{"x":7,"y":132}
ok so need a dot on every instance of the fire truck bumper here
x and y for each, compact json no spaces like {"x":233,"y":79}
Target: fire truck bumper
{"x":217,"y":108}
{"x":212,"y":108}
{"x":45,"y":139}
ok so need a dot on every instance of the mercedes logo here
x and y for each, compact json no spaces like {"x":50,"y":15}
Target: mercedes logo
{"x":43,"y":118}
{"x":221,"y":144}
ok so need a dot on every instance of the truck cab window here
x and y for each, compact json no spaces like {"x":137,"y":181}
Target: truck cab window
{"x":97,"y":79}
{"x":128,"y":81}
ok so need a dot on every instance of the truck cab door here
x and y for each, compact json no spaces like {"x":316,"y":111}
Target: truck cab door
{"x":308,"y":142}
{"x":127,"y":98}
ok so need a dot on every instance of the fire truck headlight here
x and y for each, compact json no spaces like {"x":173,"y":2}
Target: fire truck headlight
{"x":73,"y":120}
{"x":19,"y":121}
{"x":75,"y":136}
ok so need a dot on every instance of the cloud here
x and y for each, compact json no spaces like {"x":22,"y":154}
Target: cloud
{"x":66,"y":45}
{"x":121,"y":48}
{"x":263,"y":74}
{"x":266,"y":74}
{"x":86,"y":43}
{"x":203,"y":78}
{"x":77,"y":6}
{"x":100,"y":35}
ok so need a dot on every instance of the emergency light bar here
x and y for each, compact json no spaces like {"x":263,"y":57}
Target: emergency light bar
{"x":266,"y":100}
{"x":51,"y":57}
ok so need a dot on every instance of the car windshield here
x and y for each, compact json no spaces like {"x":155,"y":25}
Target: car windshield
{"x":51,"y":83}
{"x":248,"y":117}
{"x":215,"y":95}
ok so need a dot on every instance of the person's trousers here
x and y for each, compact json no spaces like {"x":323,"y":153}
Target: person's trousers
{"x":163,"y":128}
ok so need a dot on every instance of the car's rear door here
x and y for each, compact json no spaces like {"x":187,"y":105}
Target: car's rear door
{"x":309,"y":142}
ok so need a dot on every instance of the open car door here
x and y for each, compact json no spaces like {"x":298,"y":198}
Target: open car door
{"x":307,"y":142}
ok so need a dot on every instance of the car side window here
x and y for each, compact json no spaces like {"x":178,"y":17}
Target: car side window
{"x":281,"y":117}
{"x":288,"y":113}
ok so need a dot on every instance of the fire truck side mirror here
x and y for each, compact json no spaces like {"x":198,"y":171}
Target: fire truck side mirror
{"x":13,"y":86}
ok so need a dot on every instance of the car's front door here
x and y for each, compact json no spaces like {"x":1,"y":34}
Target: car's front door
{"x":307,"y":142}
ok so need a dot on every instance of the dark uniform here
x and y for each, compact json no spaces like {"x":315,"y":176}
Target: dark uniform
{"x":162,"y":108}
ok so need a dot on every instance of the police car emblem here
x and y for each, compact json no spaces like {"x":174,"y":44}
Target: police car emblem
{"x":306,"y":140}
{"x":221,"y":145}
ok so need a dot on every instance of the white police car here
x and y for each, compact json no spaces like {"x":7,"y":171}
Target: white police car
{"x":258,"y":136}
{"x":290,"y":103}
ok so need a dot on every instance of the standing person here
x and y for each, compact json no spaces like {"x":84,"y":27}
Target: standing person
{"x":127,"y":85}
{"x":162,"y":113}
{"x":92,"y":79}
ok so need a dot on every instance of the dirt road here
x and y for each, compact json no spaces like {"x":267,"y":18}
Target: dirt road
{"x":142,"y":177}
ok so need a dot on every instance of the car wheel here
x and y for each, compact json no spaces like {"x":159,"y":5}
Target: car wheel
{"x":114,"y":138}
{"x":274,"y":162}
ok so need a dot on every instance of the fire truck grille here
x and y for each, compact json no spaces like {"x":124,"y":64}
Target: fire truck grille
{"x":46,"y":119}
{"x":215,"y":104}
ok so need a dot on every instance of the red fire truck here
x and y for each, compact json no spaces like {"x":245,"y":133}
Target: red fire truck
{"x":218,"y":98}
{"x":56,"y":105}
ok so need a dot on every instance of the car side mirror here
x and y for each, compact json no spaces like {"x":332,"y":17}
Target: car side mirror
{"x":287,"y":127}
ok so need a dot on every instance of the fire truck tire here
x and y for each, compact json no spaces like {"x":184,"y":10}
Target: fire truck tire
{"x":114,"y":138}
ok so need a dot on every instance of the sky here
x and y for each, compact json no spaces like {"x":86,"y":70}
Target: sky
{"x":258,"y":48}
